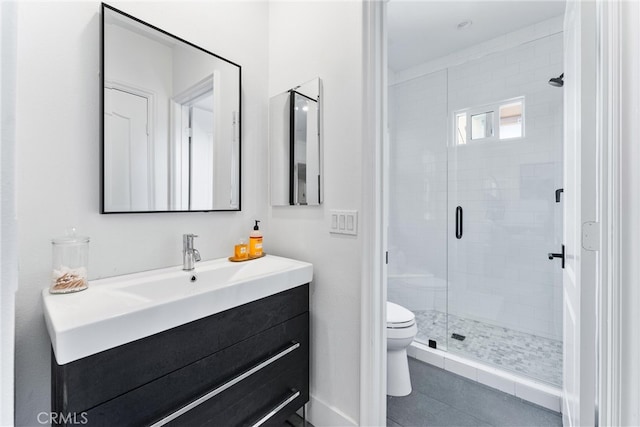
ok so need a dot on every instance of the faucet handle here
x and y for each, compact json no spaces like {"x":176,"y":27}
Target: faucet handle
{"x":187,"y":240}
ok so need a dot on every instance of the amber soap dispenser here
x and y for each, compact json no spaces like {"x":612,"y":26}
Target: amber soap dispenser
{"x":255,"y":242}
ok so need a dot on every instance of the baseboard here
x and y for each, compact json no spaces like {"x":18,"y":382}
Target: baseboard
{"x":321,"y":414}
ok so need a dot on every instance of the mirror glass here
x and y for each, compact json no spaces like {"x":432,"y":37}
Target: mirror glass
{"x":171,"y":122}
{"x":295,"y":145}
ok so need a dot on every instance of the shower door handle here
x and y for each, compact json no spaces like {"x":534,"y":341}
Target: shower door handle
{"x":459,"y":222}
{"x":560,"y":255}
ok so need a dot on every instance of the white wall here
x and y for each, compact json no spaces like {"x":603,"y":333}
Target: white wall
{"x":58,"y":142}
{"x":8,"y":229}
{"x":308,"y":40}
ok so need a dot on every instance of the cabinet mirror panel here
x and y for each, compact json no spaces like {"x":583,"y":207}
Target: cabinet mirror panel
{"x":171,"y":122}
{"x":295,"y":145}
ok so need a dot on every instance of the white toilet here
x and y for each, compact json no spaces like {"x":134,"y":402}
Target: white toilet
{"x":401,"y":330}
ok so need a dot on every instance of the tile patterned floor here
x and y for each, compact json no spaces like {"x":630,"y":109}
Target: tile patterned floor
{"x":442,"y":398}
{"x":525,"y":354}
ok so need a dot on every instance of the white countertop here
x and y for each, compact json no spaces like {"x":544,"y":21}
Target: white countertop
{"x":118,"y":310}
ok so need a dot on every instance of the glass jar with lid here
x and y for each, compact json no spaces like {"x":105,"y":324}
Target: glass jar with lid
{"x":70,"y":260}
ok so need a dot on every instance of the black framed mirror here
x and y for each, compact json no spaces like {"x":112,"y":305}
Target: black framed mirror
{"x":295,"y":146}
{"x":171,"y":122}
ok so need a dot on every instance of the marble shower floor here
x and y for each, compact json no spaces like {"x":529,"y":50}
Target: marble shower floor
{"x":525,"y":354}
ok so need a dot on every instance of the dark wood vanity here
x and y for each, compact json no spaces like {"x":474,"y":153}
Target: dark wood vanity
{"x":245,"y":366}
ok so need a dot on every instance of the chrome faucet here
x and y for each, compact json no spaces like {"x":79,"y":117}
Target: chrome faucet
{"x":189,"y":255}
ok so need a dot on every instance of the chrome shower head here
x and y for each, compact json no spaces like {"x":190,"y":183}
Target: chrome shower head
{"x":557,"y":81}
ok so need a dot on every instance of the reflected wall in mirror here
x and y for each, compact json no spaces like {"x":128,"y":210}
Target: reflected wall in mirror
{"x":295,"y":145}
{"x":171,"y":122}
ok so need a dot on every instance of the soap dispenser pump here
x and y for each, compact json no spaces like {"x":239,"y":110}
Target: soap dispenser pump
{"x":255,"y":242}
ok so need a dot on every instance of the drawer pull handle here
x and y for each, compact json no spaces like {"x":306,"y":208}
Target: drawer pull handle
{"x":277,"y":408}
{"x":226,"y":385}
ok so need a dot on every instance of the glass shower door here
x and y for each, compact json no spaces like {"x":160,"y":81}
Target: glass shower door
{"x":504,"y":167}
{"x":418,"y":203}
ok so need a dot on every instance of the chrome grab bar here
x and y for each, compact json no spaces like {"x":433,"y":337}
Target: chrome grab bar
{"x":225,"y":386}
{"x":277,"y":409}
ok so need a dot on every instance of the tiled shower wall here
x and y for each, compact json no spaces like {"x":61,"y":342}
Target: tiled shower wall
{"x":498,"y":272}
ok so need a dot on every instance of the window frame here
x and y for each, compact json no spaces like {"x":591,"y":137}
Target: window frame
{"x":483,"y":109}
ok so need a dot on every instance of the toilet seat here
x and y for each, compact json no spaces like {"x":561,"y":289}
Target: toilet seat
{"x":399,"y":317}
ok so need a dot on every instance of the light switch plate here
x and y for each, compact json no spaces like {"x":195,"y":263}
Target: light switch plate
{"x":344,"y":222}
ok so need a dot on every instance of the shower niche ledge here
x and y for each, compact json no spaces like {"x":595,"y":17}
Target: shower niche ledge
{"x":231,"y":347}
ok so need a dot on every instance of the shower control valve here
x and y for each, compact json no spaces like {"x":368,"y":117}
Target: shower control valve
{"x":560,"y":255}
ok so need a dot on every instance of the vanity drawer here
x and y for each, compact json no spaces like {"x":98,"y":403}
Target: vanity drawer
{"x":270,"y":396}
{"x":103,"y":377}
{"x":284,"y":346}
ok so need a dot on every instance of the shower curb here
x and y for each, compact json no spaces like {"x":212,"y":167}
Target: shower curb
{"x":541,"y":394}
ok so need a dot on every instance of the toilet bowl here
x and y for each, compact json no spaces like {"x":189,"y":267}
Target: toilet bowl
{"x":401,"y":330}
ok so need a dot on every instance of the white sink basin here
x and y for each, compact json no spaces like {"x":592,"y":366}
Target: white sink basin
{"x":118,"y":310}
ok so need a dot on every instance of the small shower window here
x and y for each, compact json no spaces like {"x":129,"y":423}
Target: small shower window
{"x":461,"y":128}
{"x":490,"y":123}
{"x":511,"y":120}
{"x":482,"y":125}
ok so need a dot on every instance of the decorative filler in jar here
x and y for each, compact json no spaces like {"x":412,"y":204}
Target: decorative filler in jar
{"x":70,"y":259}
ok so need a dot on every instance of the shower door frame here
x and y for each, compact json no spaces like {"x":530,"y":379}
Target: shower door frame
{"x":618,"y":339}
{"x":375,"y":186}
